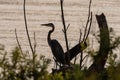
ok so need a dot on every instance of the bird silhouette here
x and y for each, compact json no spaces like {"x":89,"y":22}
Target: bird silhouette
{"x":55,"y":46}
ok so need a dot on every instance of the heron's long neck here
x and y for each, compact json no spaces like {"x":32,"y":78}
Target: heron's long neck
{"x":49,"y":35}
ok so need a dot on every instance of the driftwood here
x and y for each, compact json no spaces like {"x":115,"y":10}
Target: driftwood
{"x":101,"y":57}
{"x":75,"y":51}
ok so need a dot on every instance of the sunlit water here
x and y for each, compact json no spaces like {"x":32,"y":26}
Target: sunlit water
{"x":45,"y":11}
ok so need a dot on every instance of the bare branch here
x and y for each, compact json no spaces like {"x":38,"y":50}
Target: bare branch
{"x":89,"y":27}
{"x":65,"y":30}
{"x":27,"y":27}
{"x":18,"y":42}
{"x":87,"y":20}
{"x":80,"y":36}
{"x":35,"y":44}
{"x":85,"y":57}
{"x":67,"y":27}
{"x":81,"y":59}
{"x":34,"y":55}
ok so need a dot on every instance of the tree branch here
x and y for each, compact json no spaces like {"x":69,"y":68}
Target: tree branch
{"x":65,"y":31}
{"x":80,"y":36}
{"x":89,"y":28}
{"x":27,"y":27}
{"x":88,"y":20}
{"x":35,"y":44}
{"x":18,"y":42}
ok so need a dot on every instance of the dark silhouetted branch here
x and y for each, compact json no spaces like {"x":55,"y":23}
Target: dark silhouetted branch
{"x":35,"y":43}
{"x":18,"y":42}
{"x":80,"y":36}
{"x":88,"y":20}
{"x":89,"y":28}
{"x":78,"y":48}
{"x":27,"y":28}
{"x":81,"y":59}
{"x":65,"y":31}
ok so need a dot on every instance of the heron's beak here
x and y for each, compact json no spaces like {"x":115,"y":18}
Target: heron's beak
{"x":44,"y":24}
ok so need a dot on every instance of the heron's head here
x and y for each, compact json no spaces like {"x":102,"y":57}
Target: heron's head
{"x":48,"y":24}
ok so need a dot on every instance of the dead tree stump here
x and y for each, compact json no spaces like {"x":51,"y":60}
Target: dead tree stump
{"x":101,"y":57}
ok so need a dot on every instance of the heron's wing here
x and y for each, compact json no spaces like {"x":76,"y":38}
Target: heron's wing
{"x":58,"y":51}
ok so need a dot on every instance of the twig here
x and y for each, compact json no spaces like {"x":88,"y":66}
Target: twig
{"x":87,"y":20}
{"x":89,"y":27}
{"x":67,"y":27}
{"x":35,"y":44}
{"x":79,"y":42}
{"x":80,"y":36}
{"x":34,"y":55}
{"x":27,"y":27}
{"x":65,"y":30}
{"x":18,"y":42}
{"x":81,"y":59}
{"x":85,"y":57}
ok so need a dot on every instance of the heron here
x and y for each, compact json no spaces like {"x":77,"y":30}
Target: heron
{"x":55,"y":46}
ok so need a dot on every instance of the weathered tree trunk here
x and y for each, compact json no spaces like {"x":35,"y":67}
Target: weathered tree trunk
{"x":100,"y":59}
{"x":73,"y":51}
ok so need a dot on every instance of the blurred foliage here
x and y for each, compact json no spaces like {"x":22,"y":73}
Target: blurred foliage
{"x":15,"y":66}
{"x":23,"y":66}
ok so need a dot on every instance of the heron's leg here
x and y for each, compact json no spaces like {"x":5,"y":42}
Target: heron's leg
{"x":55,"y":65}
{"x":60,"y":65}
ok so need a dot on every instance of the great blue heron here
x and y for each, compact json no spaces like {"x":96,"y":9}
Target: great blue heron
{"x":55,"y":46}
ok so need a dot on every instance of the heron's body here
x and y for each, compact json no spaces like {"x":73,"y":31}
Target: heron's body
{"x":56,"y":48}
{"x":57,"y":51}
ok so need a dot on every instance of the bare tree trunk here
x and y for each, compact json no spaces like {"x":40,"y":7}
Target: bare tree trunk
{"x":100,"y":59}
{"x":74,"y":51}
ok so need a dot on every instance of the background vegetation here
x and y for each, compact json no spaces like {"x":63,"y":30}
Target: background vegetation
{"x":23,"y":66}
